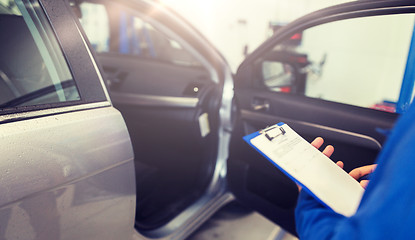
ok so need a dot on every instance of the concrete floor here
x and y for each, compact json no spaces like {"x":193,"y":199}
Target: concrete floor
{"x":236,"y":222}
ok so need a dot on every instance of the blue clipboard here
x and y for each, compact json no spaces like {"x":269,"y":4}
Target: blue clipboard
{"x":278,"y":131}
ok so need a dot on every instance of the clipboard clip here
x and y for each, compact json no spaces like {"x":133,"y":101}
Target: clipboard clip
{"x":271,"y":136}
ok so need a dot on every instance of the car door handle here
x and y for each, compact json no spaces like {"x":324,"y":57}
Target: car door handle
{"x":260,"y":105}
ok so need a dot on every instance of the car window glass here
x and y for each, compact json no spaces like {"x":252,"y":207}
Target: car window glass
{"x":360,"y":62}
{"x":146,"y":41}
{"x":94,"y":20}
{"x":33,"y":70}
{"x":135,"y":37}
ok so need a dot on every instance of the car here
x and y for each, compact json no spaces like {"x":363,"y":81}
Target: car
{"x":128,"y":123}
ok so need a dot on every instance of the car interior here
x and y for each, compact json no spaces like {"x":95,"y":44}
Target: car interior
{"x":170,"y":104}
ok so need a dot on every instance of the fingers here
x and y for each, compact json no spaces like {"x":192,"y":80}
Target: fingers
{"x":317,"y":142}
{"x":355,"y":173}
{"x":362,"y":171}
{"x":364,"y":183}
{"x":328,"y":151}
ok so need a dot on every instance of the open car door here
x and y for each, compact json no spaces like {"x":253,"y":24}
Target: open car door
{"x":342,"y":73}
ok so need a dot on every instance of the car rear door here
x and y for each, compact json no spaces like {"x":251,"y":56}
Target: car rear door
{"x":66,"y":157}
{"x":342,"y":73}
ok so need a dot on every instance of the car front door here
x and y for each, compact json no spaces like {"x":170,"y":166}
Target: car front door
{"x":346,"y":79}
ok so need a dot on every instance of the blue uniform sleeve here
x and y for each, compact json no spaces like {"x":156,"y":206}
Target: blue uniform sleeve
{"x":313,"y":220}
{"x":387,"y":209}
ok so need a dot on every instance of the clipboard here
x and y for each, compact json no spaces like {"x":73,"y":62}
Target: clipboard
{"x":308,"y":167}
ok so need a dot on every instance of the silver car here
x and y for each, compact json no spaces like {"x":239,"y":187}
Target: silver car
{"x":121,"y":121}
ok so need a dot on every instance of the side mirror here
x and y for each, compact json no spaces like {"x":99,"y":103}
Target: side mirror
{"x":278,"y":76}
{"x":283,"y":71}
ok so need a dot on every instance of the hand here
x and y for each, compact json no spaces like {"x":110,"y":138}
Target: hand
{"x":362,"y":171}
{"x":355,"y":173}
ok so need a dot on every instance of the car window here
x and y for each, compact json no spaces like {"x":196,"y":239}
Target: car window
{"x":136,"y":37}
{"x":33,"y":70}
{"x":94,"y":20}
{"x":360,"y":62}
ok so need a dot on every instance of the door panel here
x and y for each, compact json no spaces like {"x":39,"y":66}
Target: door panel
{"x":133,"y":75}
{"x":338,"y":123}
{"x":280,"y":82}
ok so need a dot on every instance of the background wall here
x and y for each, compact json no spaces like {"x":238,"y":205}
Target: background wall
{"x":233,"y":24}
